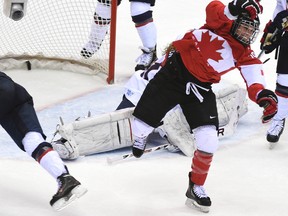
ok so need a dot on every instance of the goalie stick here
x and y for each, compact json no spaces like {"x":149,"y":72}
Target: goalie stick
{"x":130,"y":155}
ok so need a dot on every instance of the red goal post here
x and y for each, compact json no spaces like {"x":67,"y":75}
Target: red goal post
{"x":52,"y":34}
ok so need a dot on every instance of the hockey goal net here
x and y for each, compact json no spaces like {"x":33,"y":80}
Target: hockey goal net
{"x":52,"y":34}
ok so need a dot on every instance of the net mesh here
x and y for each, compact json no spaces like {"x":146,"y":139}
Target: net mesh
{"x":50,"y":32}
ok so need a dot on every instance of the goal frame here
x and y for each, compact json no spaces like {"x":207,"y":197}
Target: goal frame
{"x":112,"y":52}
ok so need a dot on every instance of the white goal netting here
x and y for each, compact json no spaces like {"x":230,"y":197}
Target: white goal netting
{"x":51,"y":35}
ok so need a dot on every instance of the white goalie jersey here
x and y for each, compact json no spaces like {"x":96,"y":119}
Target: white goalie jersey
{"x":112,"y":131}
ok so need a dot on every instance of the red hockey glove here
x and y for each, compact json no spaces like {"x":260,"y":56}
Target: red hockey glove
{"x":268,"y":100}
{"x":269,"y":40}
{"x":253,"y":7}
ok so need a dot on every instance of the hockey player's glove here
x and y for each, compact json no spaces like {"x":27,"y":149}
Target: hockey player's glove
{"x":281,"y":20}
{"x":269,"y":42}
{"x":268,"y":100}
{"x":253,"y":7}
{"x":280,"y":24}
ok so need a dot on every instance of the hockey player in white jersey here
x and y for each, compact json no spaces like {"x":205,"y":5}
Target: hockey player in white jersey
{"x":279,"y":25}
{"x":192,"y":64}
{"x":141,"y":14}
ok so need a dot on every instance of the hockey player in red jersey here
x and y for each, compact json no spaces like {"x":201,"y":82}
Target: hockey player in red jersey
{"x":18,"y":118}
{"x":192,"y":64}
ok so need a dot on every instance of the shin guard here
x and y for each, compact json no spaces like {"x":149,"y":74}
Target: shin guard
{"x":200,"y":166}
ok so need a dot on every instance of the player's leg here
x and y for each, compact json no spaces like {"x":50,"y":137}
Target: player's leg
{"x":278,"y":122}
{"x":277,"y":125}
{"x":99,"y":28}
{"x":7,"y":92}
{"x":161,"y":94}
{"x":203,"y":120}
{"x":22,"y":124}
{"x":142,"y":16}
{"x":125,"y":103}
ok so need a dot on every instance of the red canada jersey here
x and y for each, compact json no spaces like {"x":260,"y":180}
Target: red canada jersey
{"x":211,"y":51}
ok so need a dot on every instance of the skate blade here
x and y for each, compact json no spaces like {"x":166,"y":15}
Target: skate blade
{"x":194,"y":205}
{"x":272,"y":145}
{"x":62,"y":203}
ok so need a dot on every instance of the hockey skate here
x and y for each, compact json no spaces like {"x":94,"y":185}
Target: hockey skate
{"x":90,"y":48}
{"x":148,"y":56}
{"x":197,"y":197}
{"x":69,"y":190}
{"x":275,"y":130}
{"x":139,"y":146}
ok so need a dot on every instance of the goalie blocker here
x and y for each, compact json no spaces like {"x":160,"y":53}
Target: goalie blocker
{"x":112,"y":131}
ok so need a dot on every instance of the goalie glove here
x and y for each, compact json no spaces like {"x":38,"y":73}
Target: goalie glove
{"x":253,"y":7}
{"x":268,"y":100}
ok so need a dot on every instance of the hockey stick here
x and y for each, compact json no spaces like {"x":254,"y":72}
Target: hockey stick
{"x":130,"y":155}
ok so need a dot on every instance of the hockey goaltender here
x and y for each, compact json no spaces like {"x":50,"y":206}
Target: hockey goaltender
{"x":111,"y":131}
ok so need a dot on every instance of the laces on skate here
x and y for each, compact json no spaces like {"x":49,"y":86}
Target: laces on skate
{"x":146,"y":58}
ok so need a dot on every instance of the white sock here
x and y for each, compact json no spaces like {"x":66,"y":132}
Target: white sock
{"x":53,"y":164}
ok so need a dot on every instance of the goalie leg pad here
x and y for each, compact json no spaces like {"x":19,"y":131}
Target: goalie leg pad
{"x":97,"y":134}
{"x":178,"y":131}
{"x":231,"y":105}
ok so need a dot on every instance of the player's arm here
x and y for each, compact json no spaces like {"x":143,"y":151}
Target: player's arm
{"x":265,"y":98}
{"x":273,"y":31}
{"x":217,"y":15}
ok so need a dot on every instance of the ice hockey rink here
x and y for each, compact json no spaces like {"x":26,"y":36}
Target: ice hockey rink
{"x":246,"y":177}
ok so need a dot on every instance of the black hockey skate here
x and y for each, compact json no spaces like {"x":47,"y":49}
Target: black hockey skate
{"x":197,"y":197}
{"x":69,"y":190}
{"x":139,"y":146}
{"x":145,"y":60}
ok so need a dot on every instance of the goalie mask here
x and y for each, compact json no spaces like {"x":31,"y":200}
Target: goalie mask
{"x":245,"y":30}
